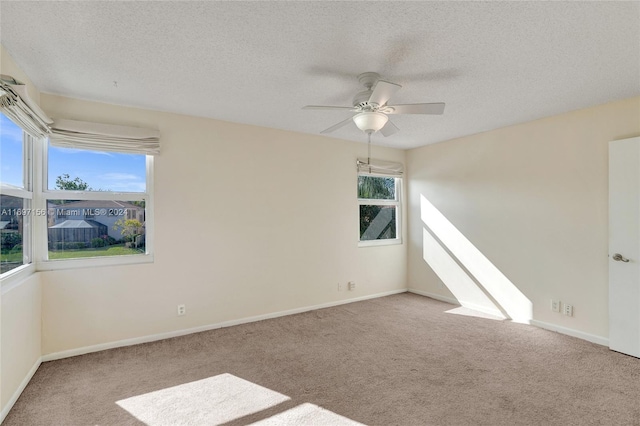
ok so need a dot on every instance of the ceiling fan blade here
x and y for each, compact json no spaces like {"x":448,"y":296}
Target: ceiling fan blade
{"x":389,"y":129}
{"x":436,"y":108}
{"x":327,"y":107}
{"x":337,"y":126}
{"x":382,"y":92}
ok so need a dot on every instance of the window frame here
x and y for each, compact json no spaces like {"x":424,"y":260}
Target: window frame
{"x":25,"y":192}
{"x":43,"y":193}
{"x":397,"y":202}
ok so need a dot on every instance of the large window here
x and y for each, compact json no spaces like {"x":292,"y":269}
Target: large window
{"x":64,"y":207}
{"x":72,"y":193}
{"x":379,"y":201}
{"x":15,"y":196}
{"x":96,"y":203}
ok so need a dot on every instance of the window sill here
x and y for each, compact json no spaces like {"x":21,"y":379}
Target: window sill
{"x":94,"y":262}
{"x":13,"y":278}
{"x":377,"y":243}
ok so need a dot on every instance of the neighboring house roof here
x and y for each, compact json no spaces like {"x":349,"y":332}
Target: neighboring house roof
{"x":75,"y":224}
{"x":4,"y":223}
{"x":98,"y":204}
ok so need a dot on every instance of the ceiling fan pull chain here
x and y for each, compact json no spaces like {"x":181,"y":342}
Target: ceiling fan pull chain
{"x":369,"y":151}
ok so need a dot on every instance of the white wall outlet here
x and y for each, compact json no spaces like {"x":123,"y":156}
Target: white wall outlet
{"x":182,"y":310}
{"x":555,"y":305}
{"x":339,"y":286}
{"x":568,"y":310}
{"x":352,"y":285}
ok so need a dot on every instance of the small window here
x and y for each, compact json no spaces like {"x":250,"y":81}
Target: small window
{"x":379,"y":205}
{"x":15,"y":196}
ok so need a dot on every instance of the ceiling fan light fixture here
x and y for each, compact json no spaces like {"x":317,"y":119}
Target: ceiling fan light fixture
{"x":370,"y":122}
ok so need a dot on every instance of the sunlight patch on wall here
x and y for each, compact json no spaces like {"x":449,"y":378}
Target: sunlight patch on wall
{"x":495,"y":283}
{"x":211,"y":401}
{"x":459,"y":283}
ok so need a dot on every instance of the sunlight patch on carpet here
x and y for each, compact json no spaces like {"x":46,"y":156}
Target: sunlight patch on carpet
{"x":307,"y":414}
{"x":211,"y":401}
{"x":473,"y":313}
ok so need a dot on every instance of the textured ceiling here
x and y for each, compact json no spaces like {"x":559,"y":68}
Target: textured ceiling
{"x":493,"y":63}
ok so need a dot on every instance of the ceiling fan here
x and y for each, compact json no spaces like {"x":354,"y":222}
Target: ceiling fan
{"x":372,"y":109}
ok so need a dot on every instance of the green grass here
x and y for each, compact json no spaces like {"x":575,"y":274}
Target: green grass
{"x":9,"y":261}
{"x":116,"y":250}
{"x":11,"y":257}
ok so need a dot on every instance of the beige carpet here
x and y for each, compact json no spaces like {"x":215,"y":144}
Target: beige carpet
{"x":397,"y":360}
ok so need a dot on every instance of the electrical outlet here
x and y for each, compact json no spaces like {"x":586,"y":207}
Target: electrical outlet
{"x":182,"y":310}
{"x":352,"y":285}
{"x":568,"y":310}
{"x":555,"y":305}
{"x":339,"y":286}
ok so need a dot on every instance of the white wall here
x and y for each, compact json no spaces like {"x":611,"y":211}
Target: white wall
{"x":20,"y":331}
{"x":532,"y":199}
{"x":20,"y":307}
{"x":248,"y":221}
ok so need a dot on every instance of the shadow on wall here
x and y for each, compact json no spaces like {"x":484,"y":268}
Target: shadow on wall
{"x":474,"y":281}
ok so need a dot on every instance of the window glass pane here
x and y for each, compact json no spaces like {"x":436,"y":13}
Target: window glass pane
{"x":96,"y":228}
{"x":377,"y":188}
{"x":11,"y":153}
{"x":86,"y":170}
{"x":377,"y":222}
{"x":14,"y":214}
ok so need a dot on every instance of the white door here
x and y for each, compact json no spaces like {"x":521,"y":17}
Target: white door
{"x":624,"y":246}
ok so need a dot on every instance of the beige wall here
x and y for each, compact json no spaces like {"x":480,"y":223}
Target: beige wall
{"x":248,"y":221}
{"x":20,"y":307}
{"x":531,"y":201}
{"x":20,"y":331}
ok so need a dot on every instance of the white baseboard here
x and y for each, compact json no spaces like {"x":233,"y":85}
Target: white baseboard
{"x":483,"y":309}
{"x":541,"y":324}
{"x":177,"y":333}
{"x":434,"y":296}
{"x":604,"y":341}
{"x":18,"y":392}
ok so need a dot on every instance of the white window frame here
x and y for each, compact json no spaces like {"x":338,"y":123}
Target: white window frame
{"x":378,"y":202}
{"x":16,"y":275}
{"x":43,"y":193}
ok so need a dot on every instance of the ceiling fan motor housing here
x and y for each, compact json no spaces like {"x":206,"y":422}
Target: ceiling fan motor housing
{"x":361,"y":101}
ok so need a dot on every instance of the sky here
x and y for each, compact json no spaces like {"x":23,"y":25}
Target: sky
{"x":107,"y":171}
{"x":10,"y":152}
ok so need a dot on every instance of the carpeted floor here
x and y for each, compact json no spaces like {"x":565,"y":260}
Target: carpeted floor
{"x":397,"y":360}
